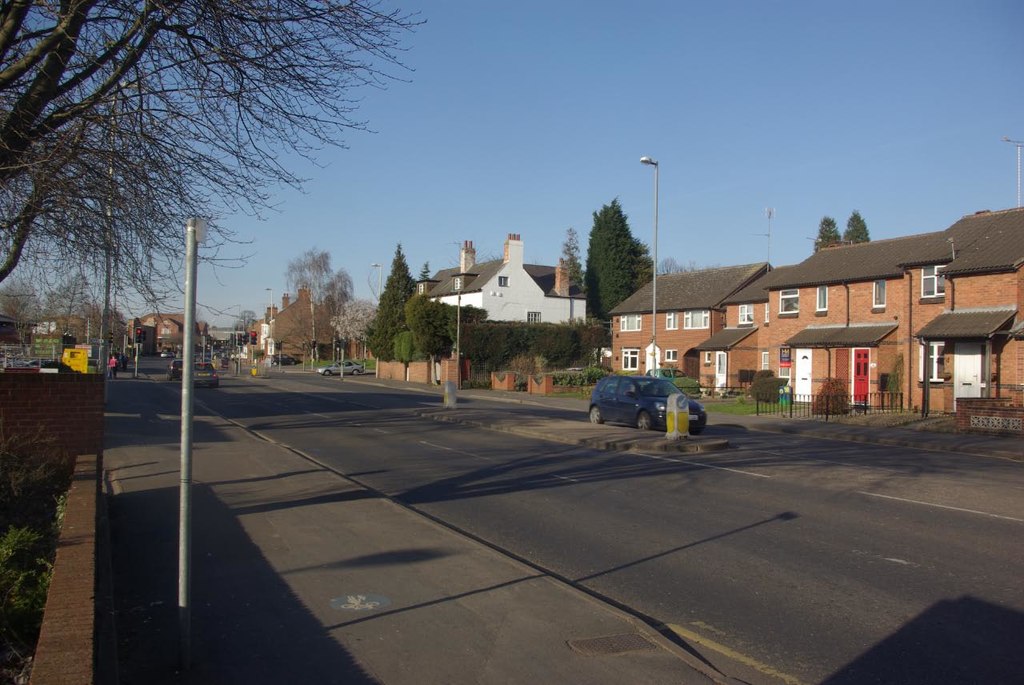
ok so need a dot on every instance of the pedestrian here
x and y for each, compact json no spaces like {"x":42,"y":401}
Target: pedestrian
{"x":124,"y":361}
{"x":112,"y":367}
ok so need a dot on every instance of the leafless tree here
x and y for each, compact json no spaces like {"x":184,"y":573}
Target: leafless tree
{"x":327,"y":289}
{"x":353,"y":320}
{"x":120,"y":118}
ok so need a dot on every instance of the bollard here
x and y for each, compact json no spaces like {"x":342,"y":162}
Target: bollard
{"x":449,"y":395}
{"x":677,"y":417}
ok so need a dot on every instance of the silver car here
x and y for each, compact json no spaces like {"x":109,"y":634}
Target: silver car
{"x":345,"y":368}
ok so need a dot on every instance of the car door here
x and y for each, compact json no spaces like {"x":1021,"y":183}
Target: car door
{"x":627,"y":400}
{"x":606,"y":399}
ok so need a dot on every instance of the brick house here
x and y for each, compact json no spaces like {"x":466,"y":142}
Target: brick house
{"x":869,"y":312}
{"x":166,"y":331}
{"x":289,"y":329}
{"x":508,"y":289}
{"x":690,"y":308}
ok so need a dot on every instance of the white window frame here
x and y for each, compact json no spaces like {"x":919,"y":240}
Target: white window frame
{"x":707,"y":356}
{"x":785,"y":372}
{"x":688,"y":319}
{"x":532,"y":317}
{"x":933,"y":275}
{"x":878,"y":294}
{"x":457,"y":283}
{"x":789,"y":295}
{"x":630,"y":323}
{"x":671,"y":355}
{"x":938,"y":352}
{"x":422,"y":288}
{"x":822,"y":301}
{"x":502,"y":281}
{"x":746,"y":315}
{"x":767,"y":310}
{"x":765,"y":360}
{"x":671,"y":321}
{"x":630,"y":358}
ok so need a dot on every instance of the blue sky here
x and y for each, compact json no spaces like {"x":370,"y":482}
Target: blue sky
{"x":527,"y":117}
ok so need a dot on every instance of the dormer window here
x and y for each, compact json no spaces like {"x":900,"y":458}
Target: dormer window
{"x":746,"y":315}
{"x":422,"y":288}
{"x":933,"y":283}
{"x":457,"y":283}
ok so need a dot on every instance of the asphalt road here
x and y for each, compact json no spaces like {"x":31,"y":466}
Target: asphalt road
{"x":809,"y":560}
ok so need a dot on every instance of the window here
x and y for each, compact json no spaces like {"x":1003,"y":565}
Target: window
{"x":457,"y":283}
{"x":878,"y":300}
{"x":933,"y":283}
{"x":789,"y":301}
{"x":629,"y":322}
{"x":784,"y":372}
{"x":630,"y":359}
{"x":707,"y":357}
{"x":671,"y":355}
{"x":697,"y":318}
{"x":767,"y":309}
{"x":502,"y":281}
{"x":422,"y":288}
{"x":671,"y":321}
{"x":764,"y":360}
{"x":746,"y":314}
{"x":938,"y":362}
{"x":822,"y":298}
{"x":532,"y":317}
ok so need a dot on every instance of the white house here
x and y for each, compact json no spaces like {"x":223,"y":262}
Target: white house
{"x":508,"y":289}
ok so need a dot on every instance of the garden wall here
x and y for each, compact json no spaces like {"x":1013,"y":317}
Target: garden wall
{"x":997,"y":416}
{"x":66,"y":408}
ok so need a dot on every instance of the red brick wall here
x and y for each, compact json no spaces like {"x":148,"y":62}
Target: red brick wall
{"x":681,"y":339}
{"x":986,"y":408}
{"x":65,"y":407}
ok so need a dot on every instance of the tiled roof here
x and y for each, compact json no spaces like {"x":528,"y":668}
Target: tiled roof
{"x":725,"y":338}
{"x":543,"y":276}
{"x":987,"y":242}
{"x":757,"y":291}
{"x":704,"y":289}
{"x":967,"y":323}
{"x":864,"y":335}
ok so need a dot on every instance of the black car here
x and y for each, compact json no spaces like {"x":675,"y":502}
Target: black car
{"x":640,"y":401}
{"x":174,"y":370}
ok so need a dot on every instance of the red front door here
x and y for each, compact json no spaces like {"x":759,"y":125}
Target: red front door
{"x":861,"y":361}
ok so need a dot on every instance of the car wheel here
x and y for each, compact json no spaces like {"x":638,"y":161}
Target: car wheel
{"x":595,"y":415}
{"x":643,"y":421}
{"x":328,"y":373}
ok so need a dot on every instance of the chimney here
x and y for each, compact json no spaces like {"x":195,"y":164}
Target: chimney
{"x":514,"y":249}
{"x":561,"y":279}
{"x":467,"y":258}
{"x":286,"y":300}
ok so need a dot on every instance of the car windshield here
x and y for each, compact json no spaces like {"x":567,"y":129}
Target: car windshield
{"x":203,"y":366}
{"x":655,"y":387}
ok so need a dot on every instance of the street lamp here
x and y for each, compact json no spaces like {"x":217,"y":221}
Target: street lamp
{"x":1018,"y":144}
{"x":380,"y":278}
{"x":654,"y":262}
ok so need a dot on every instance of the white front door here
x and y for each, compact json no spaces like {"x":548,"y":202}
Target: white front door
{"x":652,"y":355}
{"x":721,"y":369}
{"x":968,"y":379}
{"x":802,"y":372}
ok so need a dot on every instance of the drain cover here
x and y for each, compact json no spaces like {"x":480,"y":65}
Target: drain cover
{"x":612,"y":644}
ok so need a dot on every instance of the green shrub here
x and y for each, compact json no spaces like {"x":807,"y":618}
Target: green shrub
{"x":587,"y":376}
{"x":832,"y":399}
{"x":765,"y":386}
{"x":688,"y":385}
{"x":25,"y":572}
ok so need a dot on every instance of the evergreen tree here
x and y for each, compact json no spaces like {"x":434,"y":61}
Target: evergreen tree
{"x":390,"y":319}
{"x":571,"y":255}
{"x":424,"y":272}
{"x":856,"y":229}
{"x":828,"y":233}
{"x":615,"y":261}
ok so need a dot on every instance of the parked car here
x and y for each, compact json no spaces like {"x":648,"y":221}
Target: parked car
{"x":690,"y":386}
{"x":284,"y":360}
{"x":166,"y":354}
{"x":204,"y":374}
{"x":640,"y":401}
{"x":345,"y":368}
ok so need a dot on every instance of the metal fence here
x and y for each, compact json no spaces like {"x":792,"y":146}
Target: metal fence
{"x":824,"y":406}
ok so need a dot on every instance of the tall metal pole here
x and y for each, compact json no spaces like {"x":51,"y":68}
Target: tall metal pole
{"x":654,"y":272}
{"x":1018,"y":144}
{"x":194,"y":230}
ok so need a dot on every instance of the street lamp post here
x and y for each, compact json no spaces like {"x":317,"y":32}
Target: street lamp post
{"x":654,"y":272}
{"x":1018,"y":144}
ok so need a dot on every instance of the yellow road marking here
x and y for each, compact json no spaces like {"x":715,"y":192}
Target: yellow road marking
{"x":691,"y":636}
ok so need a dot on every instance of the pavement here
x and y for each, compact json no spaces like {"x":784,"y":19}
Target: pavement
{"x":300,"y":575}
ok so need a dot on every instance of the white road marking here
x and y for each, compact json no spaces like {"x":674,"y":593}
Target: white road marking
{"x":941,"y":506}
{"x":381,"y":430}
{"x":571,"y":480}
{"x":452,"y":449}
{"x":703,"y":465}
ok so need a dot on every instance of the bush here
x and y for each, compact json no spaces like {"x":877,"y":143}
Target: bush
{"x":765,"y":387}
{"x":833,"y":398}
{"x":688,"y":385}
{"x":584,"y":377}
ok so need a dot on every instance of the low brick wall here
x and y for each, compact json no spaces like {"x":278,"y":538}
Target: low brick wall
{"x":65,"y":407}
{"x":996,"y":416}
{"x":67,"y":643}
{"x":503,"y":381}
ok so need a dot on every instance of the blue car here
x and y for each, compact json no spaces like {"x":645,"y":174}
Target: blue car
{"x":640,"y":401}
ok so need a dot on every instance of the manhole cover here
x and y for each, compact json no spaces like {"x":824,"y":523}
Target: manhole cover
{"x":360,"y":602}
{"x":612,"y":644}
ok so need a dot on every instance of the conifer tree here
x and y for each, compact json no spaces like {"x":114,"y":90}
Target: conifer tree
{"x":390,"y":319}
{"x":617,"y":263}
{"x":828,"y":233}
{"x":856,"y":229}
{"x":571,"y":255}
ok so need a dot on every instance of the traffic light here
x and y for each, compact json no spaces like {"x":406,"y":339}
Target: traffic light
{"x":252,"y":337}
{"x":140,"y":334}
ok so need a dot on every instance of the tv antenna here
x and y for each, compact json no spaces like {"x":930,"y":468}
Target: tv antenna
{"x":770,"y":213}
